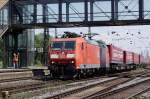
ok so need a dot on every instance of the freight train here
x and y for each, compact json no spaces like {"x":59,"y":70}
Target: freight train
{"x":79,"y":57}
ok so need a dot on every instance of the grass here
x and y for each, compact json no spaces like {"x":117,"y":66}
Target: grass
{"x":140,"y":97}
{"x":1,"y":64}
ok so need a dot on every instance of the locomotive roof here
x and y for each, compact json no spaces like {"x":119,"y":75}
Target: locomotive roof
{"x":64,"y":39}
{"x":101,"y":43}
{"x":98,"y":43}
{"x":91,"y":41}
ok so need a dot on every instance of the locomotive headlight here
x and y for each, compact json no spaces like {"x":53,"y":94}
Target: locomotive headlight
{"x":53,"y":62}
{"x":70,"y":55}
{"x":72,"y":61}
{"x":54,"y":56}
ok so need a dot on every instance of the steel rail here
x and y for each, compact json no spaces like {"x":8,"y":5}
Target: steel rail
{"x":70,"y":92}
{"x":112,"y":92}
{"x":138,"y":93}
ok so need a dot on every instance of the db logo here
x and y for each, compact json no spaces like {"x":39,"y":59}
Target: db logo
{"x":63,"y":53}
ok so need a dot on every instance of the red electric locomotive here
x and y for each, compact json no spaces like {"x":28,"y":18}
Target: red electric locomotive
{"x":75,"y":57}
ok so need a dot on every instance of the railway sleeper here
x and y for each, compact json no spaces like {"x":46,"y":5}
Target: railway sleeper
{"x":111,"y":92}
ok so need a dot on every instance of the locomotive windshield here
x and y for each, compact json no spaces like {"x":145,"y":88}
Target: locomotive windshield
{"x":57,"y":45}
{"x":69,"y":45}
{"x":66,"y":45}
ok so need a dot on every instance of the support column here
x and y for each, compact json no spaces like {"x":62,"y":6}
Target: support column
{"x":56,"y":36}
{"x":46,"y":35}
{"x":20,"y":14}
{"x":85,"y":10}
{"x":45,"y":46}
{"x":141,"y":9}
{"x":17,"y":12}
{"x":45,"y":13}
{"x":67,"y":11}
{"x":89,"y":33}
{"x":60,"y":11}
{"x":91,"y":10}
{"x":0,"y":17}
{"x":35,"y":13}
{"x":5,"y":55}
{"x":10,"y":13}
{"x":15,"y":36}
{"x":114,"y":10}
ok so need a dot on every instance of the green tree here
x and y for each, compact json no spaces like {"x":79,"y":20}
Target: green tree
{"x":39,"y":43}
{"x":38,"y":40}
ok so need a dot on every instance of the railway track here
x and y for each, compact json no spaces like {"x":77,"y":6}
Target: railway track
{"x":137,"y":88}
{"x":9,"y":88}
{"x":91,"y":89}
{"x":40,"y":85}
{"x":123,"y":92}
{"x":15,"y":89}
{"x":139,"y":93}
{"x":73,"y":85}
{"x":135,"y":73}
{"x":54,"y":85}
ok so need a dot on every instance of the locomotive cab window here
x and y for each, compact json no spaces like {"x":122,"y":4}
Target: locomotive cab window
{"x":57,"y":45}
{"x":69,"y":45}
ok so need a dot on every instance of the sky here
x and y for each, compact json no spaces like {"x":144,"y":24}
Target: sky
{"x":130,"y":38}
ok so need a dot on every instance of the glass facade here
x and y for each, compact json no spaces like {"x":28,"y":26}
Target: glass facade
{"x":17,"y":40}
{"x":27,"y":11}
{"x":4,"y":16}
{"x":19,"y":43}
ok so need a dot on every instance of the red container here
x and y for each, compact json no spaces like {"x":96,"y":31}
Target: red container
{"x":115,"y":54}
{"x":128,"y":57}
{"x":136,"y":58}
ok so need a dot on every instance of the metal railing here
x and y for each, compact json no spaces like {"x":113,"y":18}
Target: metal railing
{"x":3,"y":29}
